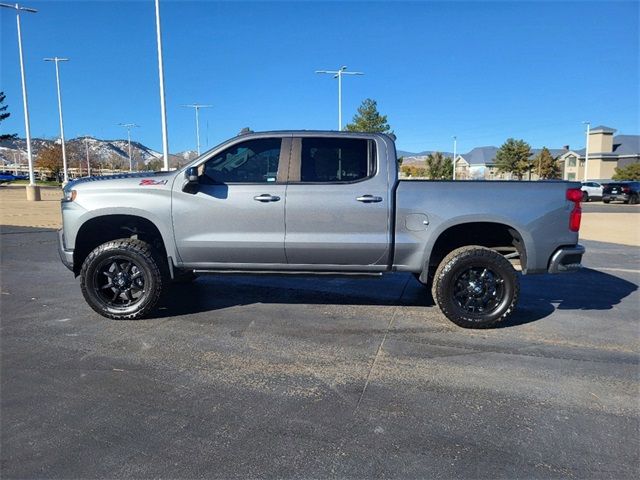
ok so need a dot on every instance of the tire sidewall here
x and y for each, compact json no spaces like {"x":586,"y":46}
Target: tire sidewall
{"x":446,"y":279}
{"x":151,"y":278}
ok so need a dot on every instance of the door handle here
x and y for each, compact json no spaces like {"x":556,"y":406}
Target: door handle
{"x":369,"y":199}
{"x":265,"y":197}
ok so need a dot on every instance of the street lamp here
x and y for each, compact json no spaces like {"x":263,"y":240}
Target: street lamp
{"x":197,"y":107}
{"x":163,"y":109}
{"x":586,"y":150}
{"x":455,"y":144}
{"x":338,"y":74}
{"x":33,"y":191}
{"x":86,"y":147}
{"x":129,"y":126}
{"x":64,"y":151}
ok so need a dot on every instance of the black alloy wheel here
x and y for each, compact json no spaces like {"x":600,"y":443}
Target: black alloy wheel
{"x":123,"y":279}
{"x":476,"y":287}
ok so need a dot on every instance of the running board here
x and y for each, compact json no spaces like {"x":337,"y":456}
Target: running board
{"x":290,"y":272}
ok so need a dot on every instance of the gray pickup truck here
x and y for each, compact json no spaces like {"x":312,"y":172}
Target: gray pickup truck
{"x":315,"y":202}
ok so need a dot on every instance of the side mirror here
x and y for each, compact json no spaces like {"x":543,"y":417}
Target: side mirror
{"x":191,"y":174}
{"x":191,"y":183}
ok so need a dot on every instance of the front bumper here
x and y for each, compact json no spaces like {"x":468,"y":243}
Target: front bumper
{"x":566,"y":259}
{"x":65,"y":255}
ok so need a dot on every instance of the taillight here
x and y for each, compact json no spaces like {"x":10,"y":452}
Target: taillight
{"x":625,"y":189}
{"x":575,"y":195}
{"x":575,"y":218}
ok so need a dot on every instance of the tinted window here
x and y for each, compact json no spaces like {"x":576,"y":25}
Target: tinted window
{"x":336,"y":159}
{"x":253,"y":161}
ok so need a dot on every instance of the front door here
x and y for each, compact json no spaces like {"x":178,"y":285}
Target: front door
{"x":338,"y":204}
{"x":236,"y":213}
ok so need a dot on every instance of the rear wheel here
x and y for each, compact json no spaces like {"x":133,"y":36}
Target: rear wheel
{"x":634,"y":199}
{"x":585,"y":197}
{"x":123,"y":279}
{"x":475,"y":287}
{"x":605,"y":200}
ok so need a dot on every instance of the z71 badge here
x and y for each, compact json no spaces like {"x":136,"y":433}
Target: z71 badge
{"x":148,"y":181}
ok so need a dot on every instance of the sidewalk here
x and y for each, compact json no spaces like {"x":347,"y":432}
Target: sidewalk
{"x":16,"y":210}
{"x":622,"y":228}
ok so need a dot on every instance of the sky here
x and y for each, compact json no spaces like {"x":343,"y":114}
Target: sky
{"x":482,"y":71}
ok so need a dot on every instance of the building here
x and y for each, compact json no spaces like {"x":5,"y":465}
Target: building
{"x":606,"y":152}
{"x":479,"y":164}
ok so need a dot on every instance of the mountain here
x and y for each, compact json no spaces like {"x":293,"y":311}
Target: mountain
{"x":409,"y":158}
{"x":105,"y":152}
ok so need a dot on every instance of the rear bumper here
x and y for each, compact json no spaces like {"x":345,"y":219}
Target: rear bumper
{"x":620,"y":197}
{"x":566,"y":259}
{"x":65,"y":255}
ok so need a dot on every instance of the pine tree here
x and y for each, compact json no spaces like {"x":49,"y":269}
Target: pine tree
{"x":546,"y":165}
{"x":368,"y":119}
{"x":3,"y":116}
{"x":513,"y":157}
{"x":439,"y":167}
{"x":630,"y":172}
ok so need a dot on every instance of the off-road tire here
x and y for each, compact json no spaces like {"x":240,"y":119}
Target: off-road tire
{"x":465,"y":259}
{"x":146,"y":260}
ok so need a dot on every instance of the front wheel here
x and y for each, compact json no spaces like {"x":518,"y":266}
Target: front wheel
{"x":122,"y":279}
{"x":585,"y":197}
{"x":475,"y":287}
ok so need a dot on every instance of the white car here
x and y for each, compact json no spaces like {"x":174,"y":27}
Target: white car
{"x":591,"y":190}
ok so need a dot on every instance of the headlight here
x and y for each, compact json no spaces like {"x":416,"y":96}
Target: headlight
{"x":69,"y":195}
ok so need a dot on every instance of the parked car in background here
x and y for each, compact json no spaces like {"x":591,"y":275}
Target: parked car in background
{"x":627,"y":192}
{"x":591,"y":191}
{"x":10,"y":177}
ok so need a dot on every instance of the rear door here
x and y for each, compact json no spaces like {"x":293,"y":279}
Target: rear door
{"x":338,"y":203}
{"x":236,"y":215}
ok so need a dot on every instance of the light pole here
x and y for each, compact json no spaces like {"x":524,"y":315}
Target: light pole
{"x":129,"y":126}
{"x":586,"y":151}
{"x":338,"y":74}
{"x":197,"y":107}
{"x":455,"y":145}
{"x":86,"y":147}
{"x":57,"y":60}
{"x":163,"y":109}
{"x":33,"y":191}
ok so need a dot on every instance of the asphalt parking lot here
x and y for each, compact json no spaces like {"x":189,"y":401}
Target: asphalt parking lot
{"x":247,"y":377}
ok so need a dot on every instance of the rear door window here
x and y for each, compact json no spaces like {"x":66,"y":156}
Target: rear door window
{"x":336,"y":160}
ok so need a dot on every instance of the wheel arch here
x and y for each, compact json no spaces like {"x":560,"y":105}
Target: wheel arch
{"x":487,"y":233}
{"x":101,"y":228}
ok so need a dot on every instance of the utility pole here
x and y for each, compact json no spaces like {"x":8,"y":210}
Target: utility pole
{"x":586,"y":151}
{"x":33,"y":191}
{"x":455,"y":145}
{"x":338,"y":74}
{"x":163,"y":109}
{"x":129,"y":126}
{"x":57,"y":60}
{"x":197,"y":107}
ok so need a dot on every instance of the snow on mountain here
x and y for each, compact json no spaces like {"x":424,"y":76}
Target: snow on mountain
{"x":106,"y":152}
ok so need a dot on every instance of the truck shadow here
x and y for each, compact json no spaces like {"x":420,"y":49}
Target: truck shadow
{"x":540,"y":295}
